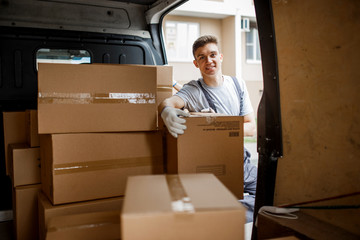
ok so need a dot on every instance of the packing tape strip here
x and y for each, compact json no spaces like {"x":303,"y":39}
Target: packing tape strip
{"x":77,"y":167}
{"x":83,"y":226}
{"x":180,"y":201}
{"x":164,"y":88}
{"x":90,"y":98}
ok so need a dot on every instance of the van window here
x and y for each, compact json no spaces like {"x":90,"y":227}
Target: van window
{"x":67,"y":56}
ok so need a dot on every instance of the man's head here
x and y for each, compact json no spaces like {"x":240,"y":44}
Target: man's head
{"x":202,"y":41}
{"x":207,"y":56}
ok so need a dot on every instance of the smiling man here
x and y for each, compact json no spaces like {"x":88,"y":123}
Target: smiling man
{"x":214,"y":92}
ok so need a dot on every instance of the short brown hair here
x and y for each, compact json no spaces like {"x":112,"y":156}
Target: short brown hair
{"x":202,"y":41}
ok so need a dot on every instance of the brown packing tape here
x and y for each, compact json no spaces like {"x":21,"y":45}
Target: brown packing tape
{"x":90,"y":98}
{"x":164,"y":88}
{"x":82,"y":226}
{"x":77,"y":167}
{"x":84,"y":221}
{"x":180,"y":201}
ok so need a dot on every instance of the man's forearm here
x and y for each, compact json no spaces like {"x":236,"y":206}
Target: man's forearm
{"x":174,"y":102}
{"x":249,"y":129}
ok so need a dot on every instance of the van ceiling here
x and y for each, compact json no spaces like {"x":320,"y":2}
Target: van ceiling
{"x":130,"y":17}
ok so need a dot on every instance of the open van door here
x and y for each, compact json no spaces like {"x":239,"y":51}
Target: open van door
{"x":308,"y":118}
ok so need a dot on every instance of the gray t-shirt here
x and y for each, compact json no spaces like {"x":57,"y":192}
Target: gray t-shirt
{"x":225,"y":97}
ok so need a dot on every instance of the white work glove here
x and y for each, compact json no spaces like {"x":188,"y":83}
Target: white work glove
{"x":173,"y":122}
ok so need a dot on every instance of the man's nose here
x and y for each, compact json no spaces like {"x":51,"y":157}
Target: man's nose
{"x":208,"y":59}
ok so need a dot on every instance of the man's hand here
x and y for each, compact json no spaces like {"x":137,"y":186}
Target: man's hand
{"x":173,"y":122}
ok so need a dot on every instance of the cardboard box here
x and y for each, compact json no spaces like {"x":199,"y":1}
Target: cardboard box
{"x":47,"y":211}
{"x":32,"y":135}
{"x":25,"y":209}
{"x":89,"y":226}
{"x":87,"y":166}
{"x":184,"y":206}
{"x":164,"y":87}
{"x":211,"y":143}
{"x":164,"y":90}
{"x":25,"y":164}
{"x":97,"y":98}
{"x":14,"y":132}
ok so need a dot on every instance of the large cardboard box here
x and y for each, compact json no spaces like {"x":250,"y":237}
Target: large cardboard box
{"x":89,"y":226}
{"x":87,"y":166}
{"x":32,"y":135}
{"x":47,"y":211}
{"x":184,"y":206}
{"x":211,"y":143}
{"x":97,"y":98}
{"x":14,"y":132}
{"x":25,"y":164}
{"x":25,"y":209}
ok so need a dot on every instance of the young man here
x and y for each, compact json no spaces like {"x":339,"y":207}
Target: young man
{"x":214,"y":92}
{"x":223,"y":92}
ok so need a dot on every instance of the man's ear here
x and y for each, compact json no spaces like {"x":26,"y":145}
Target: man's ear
{"x":195,"y":63}
{"x":221,"y":57}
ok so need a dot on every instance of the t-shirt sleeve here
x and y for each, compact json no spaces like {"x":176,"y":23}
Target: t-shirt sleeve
{"x":193,"y":97}
{"x":245,"y":102}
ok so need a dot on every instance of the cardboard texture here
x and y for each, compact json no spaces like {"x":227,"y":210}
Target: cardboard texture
{"x":164,"y":88}
{"x":97,"y":98}
{"x":213,"y":144}
{"x":159,"y":207}
{"x":319,"y":101}
{"x":14,"y":132}
{"x":47,"y":211}
{"x":25,"y":210}
{"x":305,"y":227}
{"x":31,"y":128}
{"x":89,"y":226}
{"x":80,"y":167}
{"x":24,"y":164}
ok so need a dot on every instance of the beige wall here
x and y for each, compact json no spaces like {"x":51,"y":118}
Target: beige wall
{"x":228,"y":46}
{"x":252,"y":74}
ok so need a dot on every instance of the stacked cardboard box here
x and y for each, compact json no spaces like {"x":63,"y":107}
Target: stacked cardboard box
{"x":23,"y":167}
{"x":212,"y":143}
{"x":14,"y":132}
{"x":94,"y":225}
{"x":88,"y":166}
{"x":184,"y":206}
{"x":48,"y":211}
{"x":98,"y":125}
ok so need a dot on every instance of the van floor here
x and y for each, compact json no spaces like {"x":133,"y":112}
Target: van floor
{"x":6,"y":230}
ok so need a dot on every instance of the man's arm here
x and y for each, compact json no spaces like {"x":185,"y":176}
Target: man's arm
{"x":173,"y":101}
{"x":249,"y":125}
{"x":170,"y":110}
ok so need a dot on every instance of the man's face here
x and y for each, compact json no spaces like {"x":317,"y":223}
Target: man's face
{"x":208,"y":59}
